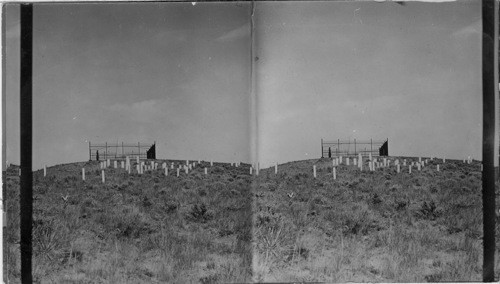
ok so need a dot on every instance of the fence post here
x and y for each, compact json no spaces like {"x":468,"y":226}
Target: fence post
{"x":322,"y":155}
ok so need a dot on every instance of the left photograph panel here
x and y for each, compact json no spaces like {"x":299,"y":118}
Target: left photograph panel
{"x":141,"y":142}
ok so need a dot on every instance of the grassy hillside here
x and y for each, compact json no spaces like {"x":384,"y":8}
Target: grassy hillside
{"x":134,"y":228}
{"x":369,"y":226}
{"x":364,"y":226}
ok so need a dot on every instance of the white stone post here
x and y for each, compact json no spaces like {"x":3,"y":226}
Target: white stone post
{"x":206,"y":171}
{"x":347,"y":161}
{"x":399,"y":168}
{"x":251,"y":170}
{"x":276,"y":168}
{"x":45,"y":170}
{"x":409,"y":169}
{"x":166,"y":171}
{"x":83,"y":173}
{"x":211,"y":163}
{"x":314,"y":171}
{"x":334,"y":173}
{"x":114,"y":164}
{"x":178,"y":170}
{"x":438,"y":168}
{"x":103,"y":178}
{"x":123,"y":164}
{"x":418,"y":166}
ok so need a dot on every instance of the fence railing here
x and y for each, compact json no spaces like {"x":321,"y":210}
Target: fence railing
{"x":354,"y":147}
{"x":104,"y":151}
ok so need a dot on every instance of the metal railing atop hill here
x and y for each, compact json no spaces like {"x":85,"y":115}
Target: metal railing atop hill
{"x":104,"y":151}
{"x":355,"y":147}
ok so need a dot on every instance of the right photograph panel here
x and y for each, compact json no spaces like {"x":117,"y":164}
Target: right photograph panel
{"x":369,"y":126}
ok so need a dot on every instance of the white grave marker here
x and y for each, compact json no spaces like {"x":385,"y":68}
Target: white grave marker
{"x":44,"y":171}
{"x":83,"y":173}
{"x":334,"y":173}
{"x":103,"y":178}
{"x":206,"y":171}
{"x":276,"y":168}
{"x":314,"y":171}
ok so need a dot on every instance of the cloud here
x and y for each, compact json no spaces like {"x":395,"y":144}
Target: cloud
{"x":235,"y":34}
{"x":143,"y":111}
{"x":472,"y":29}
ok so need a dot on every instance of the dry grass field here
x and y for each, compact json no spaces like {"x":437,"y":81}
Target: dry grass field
{"x":366,"y":226}
{"x":134,"y":228}
{"x":231,"y":227}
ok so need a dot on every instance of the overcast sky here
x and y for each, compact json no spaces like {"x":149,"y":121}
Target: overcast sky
{"x":410,"y":73}
{"x":173,"y":73}
{"x":179,"y":74}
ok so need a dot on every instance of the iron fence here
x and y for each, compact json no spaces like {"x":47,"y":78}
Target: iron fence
{"x":104,"y":151}
{"x":354,"y":147}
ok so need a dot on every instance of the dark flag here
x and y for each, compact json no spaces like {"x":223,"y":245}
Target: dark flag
{"x":151,"y":154}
